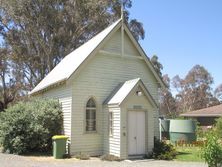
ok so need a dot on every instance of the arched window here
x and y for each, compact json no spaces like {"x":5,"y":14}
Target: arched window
{"x":91,"y":115}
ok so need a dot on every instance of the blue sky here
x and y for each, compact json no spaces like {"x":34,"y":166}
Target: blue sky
{"x":182,"y":33}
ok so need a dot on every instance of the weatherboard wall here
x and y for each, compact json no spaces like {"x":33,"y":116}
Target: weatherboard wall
{"x":64,"y":95}
{"x":98,"y":78}
{"x":112,"y":141}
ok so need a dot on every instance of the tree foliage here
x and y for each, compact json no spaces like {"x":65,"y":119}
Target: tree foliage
{"x":9,"y":88}
{"x":168,"y":105}
{"x":194,"y":91}
{"x":40,"y":33}
{"x":218,"y":92}
{"x":156,"y":64}
{"x":191,"y":92}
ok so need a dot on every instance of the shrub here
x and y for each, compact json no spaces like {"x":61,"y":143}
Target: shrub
{"x":109,"y":157}
{"x":212,"y":150}
{"x":219,"y":127}
{"x":29,"y":126}
{"x":163,"y":151}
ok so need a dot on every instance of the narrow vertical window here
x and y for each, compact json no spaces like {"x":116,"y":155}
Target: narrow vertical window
{"x":91,"y":115}
{"x":110,"y":123}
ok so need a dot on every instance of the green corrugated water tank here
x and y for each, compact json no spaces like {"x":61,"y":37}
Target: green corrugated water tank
{"x":165,"y":127}
{"x":182,"y":130}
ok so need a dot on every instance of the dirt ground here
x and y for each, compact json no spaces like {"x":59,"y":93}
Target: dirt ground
{"x":9,"y":160}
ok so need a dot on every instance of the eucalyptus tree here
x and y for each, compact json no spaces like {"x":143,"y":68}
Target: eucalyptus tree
{"x":168,"y":105}
{"x":156,"y":64}
{"x":194,"y":91}
{"x":9,"y":88}
{"x":218,"y":92}
{"x":40,"y":33}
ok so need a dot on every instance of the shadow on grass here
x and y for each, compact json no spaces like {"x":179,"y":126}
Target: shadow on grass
{"x":183,"y":153}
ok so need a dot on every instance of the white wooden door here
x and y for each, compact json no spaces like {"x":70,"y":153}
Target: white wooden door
{"x":132,"y":128}
{"x":136,"y":132}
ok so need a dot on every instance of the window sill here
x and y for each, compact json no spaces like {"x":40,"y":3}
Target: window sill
{"x":90,"y":132}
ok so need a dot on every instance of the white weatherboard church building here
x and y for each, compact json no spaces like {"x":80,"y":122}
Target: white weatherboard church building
{"x":108,"y":89}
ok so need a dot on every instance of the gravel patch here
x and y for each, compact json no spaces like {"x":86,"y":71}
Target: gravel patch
{"x":9,"y":160}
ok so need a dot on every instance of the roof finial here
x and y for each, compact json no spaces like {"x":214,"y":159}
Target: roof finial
{"x":122,"y":11}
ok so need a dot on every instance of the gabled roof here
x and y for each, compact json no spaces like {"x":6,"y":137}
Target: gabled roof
{"x":72,"y":61}
{"x":124,"y":90}
{"x":215,"y":111}
{"x":70,"y":64}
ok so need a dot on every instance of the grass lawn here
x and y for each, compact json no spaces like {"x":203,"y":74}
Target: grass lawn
{"x":189,"y":154}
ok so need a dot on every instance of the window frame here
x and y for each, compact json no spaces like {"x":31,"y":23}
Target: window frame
{"x":111,"y":122}
{"x":90,"y":111}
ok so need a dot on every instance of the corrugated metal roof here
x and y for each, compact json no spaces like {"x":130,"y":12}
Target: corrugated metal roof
{"x":73,"y":60}
{"x":123,"y":91}
{"x":120,"y":93}
{"x":215,"y":111}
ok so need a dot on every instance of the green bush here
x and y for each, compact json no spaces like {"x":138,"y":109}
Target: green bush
{"x":212,"y":150}
{"x":163,"y":151}
{"x":28,"y":126}
{"x":219,"y":127}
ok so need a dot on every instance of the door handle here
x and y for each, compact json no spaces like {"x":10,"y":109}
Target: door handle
{"x":135,"y":137}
